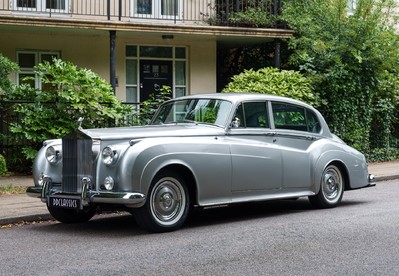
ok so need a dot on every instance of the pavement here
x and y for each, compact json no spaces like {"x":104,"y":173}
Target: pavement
{"x":20,"y":208}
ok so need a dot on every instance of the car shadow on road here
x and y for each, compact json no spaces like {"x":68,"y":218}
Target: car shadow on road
{"x":121,"y":224}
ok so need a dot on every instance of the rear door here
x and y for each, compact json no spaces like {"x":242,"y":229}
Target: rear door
{"x":297,"y":129}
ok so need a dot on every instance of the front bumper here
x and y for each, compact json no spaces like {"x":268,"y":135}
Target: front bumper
{"x":88,"y":196}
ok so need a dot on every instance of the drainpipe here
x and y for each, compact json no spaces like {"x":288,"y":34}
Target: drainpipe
{"x":277,"y":54}
{"x":112,"y":52}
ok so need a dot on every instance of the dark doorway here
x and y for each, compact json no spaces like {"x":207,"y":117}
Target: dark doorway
{"x":153,"y":75}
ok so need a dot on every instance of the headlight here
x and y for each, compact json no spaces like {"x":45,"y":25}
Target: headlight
{"x":53,"y":154}
{"x":110,"y":155}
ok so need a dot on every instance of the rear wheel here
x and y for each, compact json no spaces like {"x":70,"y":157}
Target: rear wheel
{"x":167,"y":204}
{"x":70,"y":215}
{"x":331,"y":188}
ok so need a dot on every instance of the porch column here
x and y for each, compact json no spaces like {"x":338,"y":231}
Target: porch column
{"x":112,"y":51}
{"x":277,"y":54}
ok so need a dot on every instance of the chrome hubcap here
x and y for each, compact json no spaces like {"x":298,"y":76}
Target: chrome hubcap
{"x":332,"y":184}
{"x":167,"y":201}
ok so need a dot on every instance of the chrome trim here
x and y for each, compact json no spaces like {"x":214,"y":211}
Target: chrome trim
{"x":87,"y":196}
{"x":34,"y":191}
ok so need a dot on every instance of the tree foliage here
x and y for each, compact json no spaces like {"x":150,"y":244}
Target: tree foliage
{"x":352,"y":60}
{"x":275,"y":82}
{"x":6,"y":68}
{"x":68,"y":93}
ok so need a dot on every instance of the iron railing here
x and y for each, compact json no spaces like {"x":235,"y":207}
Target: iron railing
{"x":212,"y":12}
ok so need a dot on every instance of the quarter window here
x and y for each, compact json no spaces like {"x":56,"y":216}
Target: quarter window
{"x":287,"y":116}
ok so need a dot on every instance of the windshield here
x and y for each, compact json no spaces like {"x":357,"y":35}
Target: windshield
{"x":208,"y":111}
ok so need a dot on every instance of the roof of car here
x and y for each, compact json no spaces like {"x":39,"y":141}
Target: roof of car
{"x":238,"y":97}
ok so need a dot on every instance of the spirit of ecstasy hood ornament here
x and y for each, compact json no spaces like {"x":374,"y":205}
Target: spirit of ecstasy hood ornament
{"x":80,"y":120}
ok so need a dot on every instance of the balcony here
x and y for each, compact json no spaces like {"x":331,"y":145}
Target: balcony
{"x":235,"y":13}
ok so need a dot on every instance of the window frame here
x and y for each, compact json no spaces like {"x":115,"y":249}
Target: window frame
{"x":293,"y":127}
{"x":156,"y":10}
{"x":177,"y":85}
{"x":31,"y":71}
{"x":41,"y":7}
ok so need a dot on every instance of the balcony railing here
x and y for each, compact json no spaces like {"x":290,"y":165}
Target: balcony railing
{"x":211,"y":12}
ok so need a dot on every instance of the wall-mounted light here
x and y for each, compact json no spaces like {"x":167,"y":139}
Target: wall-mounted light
{"x":167,"y":38}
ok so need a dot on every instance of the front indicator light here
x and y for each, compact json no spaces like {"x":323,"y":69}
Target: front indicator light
{"x":109,"y":183}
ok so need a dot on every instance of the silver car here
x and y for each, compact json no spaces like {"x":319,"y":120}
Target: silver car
{"x":198,"y":151}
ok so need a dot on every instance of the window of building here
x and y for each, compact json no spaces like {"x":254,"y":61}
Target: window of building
{"x":41,"y":5}
{"x":148,"y":68}
{"x":27,"y":60}
{"x":352,"y":6}
{"x":167,"y":9}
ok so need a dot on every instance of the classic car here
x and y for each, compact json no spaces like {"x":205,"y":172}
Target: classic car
{"x":198,"y":151}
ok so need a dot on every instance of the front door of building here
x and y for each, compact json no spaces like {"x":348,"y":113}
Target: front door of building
{"x":153,"y":75}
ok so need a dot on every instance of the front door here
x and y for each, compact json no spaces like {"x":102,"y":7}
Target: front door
{"x":153,"y":75}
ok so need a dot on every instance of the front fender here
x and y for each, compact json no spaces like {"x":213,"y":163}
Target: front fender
{"x":42,"y":166}
{"x":200,"y":156}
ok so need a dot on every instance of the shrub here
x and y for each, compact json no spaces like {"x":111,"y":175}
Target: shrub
{"x":275,"y":82}
{"x":70,"y":93}
{"x":3,"y":166}
{"x":6,"y":68}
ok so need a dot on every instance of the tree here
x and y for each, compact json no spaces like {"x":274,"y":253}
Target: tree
{"x":350,"y":59}
{"x":69,"y":93}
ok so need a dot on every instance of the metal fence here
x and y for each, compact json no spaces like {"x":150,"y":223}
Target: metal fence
{"x":215,"y":12}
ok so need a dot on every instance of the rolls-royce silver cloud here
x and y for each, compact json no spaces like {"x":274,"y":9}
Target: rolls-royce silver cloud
{"x":198,"y":151}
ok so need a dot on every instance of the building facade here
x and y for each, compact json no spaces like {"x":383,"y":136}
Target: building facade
{"x":136,"y":45}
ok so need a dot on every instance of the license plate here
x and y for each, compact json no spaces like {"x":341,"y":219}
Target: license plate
{"x":63,"y":202}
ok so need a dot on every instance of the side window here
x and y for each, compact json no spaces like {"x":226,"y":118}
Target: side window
{"x":287,"y":116}
{"x":252,"y":114}
{"x":313,"y":123}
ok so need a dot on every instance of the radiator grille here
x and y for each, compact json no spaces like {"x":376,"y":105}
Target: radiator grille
{"x":77,"y":161}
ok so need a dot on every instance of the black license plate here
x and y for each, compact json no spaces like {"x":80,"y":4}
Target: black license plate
{"x":64,"y":202}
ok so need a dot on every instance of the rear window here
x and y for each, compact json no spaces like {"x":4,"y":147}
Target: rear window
{"x":292,"y":117}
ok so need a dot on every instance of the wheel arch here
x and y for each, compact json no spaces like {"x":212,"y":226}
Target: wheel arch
{"x":344,"y":171}
{"x":340,"y":165}
{"x":188,"y":177}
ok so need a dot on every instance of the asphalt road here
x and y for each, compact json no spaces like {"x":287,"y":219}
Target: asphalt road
{"x":275,"y":238}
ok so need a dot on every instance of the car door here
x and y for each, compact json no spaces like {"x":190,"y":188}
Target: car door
{"x":297,"y":129}
{"x":256,"y":159}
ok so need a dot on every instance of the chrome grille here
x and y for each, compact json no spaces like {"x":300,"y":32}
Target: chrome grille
{"x":77,"y":161}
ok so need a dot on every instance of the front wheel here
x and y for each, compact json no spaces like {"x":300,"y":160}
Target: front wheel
{"x":167,"y":205}
{"x":70,"y":215}
{"x":331,"y":188}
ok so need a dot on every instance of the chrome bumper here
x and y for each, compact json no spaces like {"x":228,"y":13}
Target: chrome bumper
{"x":371,"y":181}
{"x":88,"y":196}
